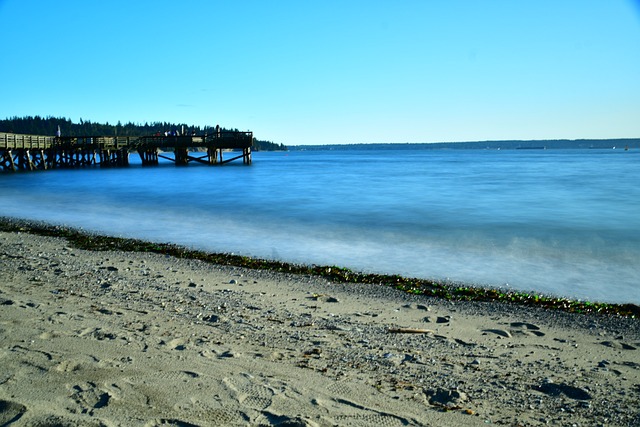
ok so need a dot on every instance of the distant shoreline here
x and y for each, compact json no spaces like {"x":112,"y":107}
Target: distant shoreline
{"x":617,"y":143}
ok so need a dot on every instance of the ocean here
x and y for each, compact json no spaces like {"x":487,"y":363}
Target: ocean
{"x":556,"y":222}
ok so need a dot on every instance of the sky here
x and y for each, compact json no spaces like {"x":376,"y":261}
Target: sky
{"x":331,"y":71}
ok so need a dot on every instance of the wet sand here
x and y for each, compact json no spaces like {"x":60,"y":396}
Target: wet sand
{"x":138,"y":339}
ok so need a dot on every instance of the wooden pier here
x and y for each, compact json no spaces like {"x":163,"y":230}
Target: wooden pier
{"x":206,"y":149}
{"x":34,"y":152}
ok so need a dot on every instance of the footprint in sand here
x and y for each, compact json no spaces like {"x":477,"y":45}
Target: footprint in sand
{"x":88,"y":397}
{"x":205,"y":414}
{"x":67,"y":366}
{"x":526,"y":329}
{"x":169,"y":422}
{"x":173,"y":376}
{"x":516,"y":328}
{"x":618,"y":345}
{"x":499,"y":332}
{"x":177,"y":344}
{"x":373,"y":419}
{"x":364,"y":413}
{"x":128,"y":391}
{"x":98,"y":334}
{"x":249,"y":392}
{"x":77,"y":364}
{"x":57,"y":421}
{"x":285,"y":420}
{"x":10,"y":412}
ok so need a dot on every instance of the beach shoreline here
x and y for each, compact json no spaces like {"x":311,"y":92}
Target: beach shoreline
{"x":111,"y":338}
{"x":448,"y":290}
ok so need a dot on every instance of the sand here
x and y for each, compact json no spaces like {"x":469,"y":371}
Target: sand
{"x":138,"y":339}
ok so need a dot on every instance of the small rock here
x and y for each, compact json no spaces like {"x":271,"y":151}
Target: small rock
{"x":555,"y":390}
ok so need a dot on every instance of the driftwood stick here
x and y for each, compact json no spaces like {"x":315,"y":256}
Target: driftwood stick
{"x":409,"y":331}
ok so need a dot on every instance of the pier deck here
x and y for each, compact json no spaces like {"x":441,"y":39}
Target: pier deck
{"x":35,"y":152}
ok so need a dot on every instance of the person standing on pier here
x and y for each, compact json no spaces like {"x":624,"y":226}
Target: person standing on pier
{"x":58,"y":133}
{"x":217,"y":131}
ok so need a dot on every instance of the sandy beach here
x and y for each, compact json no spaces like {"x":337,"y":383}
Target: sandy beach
{"x":138,"y":339}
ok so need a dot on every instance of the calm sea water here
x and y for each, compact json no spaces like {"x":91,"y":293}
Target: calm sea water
{"x":561,"y":222}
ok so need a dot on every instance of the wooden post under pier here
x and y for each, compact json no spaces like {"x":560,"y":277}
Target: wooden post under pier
{"x":181,"y":156}
{"x":6,"y":160}
{"x":149,"y":156}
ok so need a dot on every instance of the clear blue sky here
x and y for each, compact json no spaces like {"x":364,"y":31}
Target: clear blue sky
{"x":331,"y":71}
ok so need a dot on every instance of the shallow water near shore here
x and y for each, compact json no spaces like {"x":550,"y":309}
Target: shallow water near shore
{"x":561,"y":222}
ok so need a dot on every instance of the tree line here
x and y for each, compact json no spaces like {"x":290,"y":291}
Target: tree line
{"x":37,"y":125}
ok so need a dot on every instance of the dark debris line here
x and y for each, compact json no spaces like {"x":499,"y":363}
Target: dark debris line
{"x":95,"y":242}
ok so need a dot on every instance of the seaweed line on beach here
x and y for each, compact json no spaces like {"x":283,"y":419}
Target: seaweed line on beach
{"x":447,"y":291}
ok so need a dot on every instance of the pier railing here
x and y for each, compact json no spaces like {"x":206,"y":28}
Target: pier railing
{"x":13,"y":141}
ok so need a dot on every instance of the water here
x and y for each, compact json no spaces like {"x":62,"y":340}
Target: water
{"x":559,"y":222}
